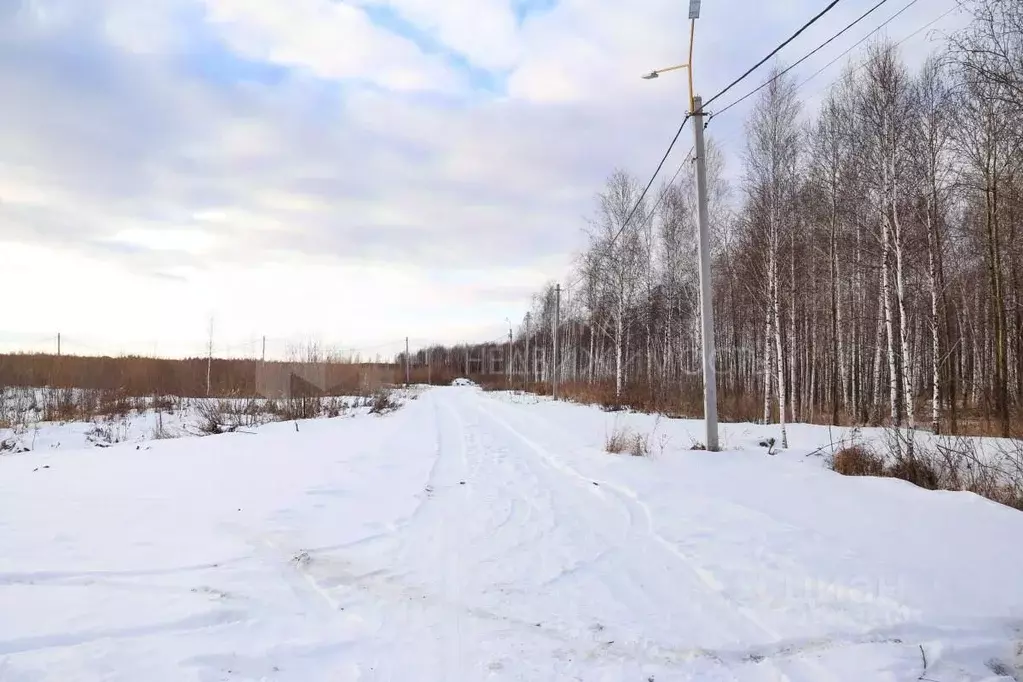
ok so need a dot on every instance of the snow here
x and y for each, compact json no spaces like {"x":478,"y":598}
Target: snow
{"x":487,"y":536}
{"x":181,"y":419}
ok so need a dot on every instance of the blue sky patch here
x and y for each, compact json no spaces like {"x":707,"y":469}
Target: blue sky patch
{"x":209,"y":58}
{"x":478,"y":78}
{"x":523,"y":9}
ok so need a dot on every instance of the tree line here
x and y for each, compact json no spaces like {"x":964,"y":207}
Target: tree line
{"x":867,"y":257}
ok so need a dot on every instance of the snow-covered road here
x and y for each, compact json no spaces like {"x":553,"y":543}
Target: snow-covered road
{"x":472,"y":536}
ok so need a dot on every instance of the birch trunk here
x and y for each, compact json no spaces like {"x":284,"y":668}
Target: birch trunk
{"x":886,"y":295}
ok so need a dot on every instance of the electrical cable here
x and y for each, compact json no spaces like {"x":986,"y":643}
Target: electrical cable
{"x":868,"y":36}
{"x":801,"y":59}
{"x":646,"y":189}
{"x":772,"y":53}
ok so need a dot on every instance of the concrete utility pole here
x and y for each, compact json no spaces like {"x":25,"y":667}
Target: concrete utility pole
{"x":264,"y":350}
{"x":710,"y":399}
{"x":58,"y":344}
{"x":407,"y":371}
{"x":557,"y":325}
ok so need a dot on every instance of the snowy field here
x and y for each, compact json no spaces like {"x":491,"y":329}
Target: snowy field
{"x":474,"y":536}
{"x":24,"y":426}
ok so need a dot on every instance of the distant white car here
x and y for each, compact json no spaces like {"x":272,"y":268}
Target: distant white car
{"x":462,"y":381}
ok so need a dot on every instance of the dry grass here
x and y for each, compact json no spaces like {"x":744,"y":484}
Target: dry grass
{"x":41,"y":387}
{"x":684,"y":400}
{"x":856,"y":460}
{"x":383,"y":403}
{"x":624,"y":440}
{"x":226,"y":415}
{"x":942,"y":463}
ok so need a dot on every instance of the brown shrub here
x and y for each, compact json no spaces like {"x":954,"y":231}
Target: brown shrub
{"x":856,"y":460}
{"x":212,"y":417}
{"x":624,"y":440}
{"x":917,"y":470}
{"x":383,"y":403}
{"x":947,"y":463}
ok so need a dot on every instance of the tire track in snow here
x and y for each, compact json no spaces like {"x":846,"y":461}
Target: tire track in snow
{"x":892,"y":611}
{"x":530,"y":512}
{"x":631,"y":499}
{"x":707,"y":580}
{"x":202,"y":621}
{"x":640,"y":530}
{"x":452,"y":577}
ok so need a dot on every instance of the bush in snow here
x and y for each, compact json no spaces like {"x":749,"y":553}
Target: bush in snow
{"x":108,"y":431}
{"x":383,"y":403}
{"x":856,"y":460}
{"x":992,"y":470}
{"x":210,"y":417}
{"x":624,"y":440}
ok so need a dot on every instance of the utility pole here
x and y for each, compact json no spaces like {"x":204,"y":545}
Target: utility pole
{"x":429,"y":369}
{"x":508,"y":356}
{"x":209,"y":360}
{"x":264,"y":349}
{"x":407,"y":376}
{"x":557,"y":325}
{"x":710,"y":401}
{"x":58,"y":344}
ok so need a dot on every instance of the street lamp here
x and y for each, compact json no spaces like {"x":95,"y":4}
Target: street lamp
{"x":656,"y":74}
{"x":710,"y":410}
{"x":694,"y":14}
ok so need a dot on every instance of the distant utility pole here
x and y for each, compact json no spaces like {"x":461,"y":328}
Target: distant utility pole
{"x":429,"y":369}
{"x":264,"y":349}
{"x":58,"y":344}
{"x":710,"y":401}
{"x":407,"y":373}
{"x":467,"y":361}
{"x":557,"y":325}
{"x":508,"y":356}
{"x":209,"y":360}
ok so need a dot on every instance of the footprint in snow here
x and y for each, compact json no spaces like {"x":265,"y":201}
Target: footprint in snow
{"x":211,"y":592}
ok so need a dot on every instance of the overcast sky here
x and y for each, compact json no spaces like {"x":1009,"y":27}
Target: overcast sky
{"x":352,"y":171}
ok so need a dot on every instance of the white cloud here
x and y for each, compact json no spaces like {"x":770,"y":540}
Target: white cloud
{"x":367,"y":192}
{"x":329,"y":39}
{"x":483,"y":31}
{"x":165,"y":238}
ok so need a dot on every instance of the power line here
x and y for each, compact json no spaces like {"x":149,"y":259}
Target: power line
{"x":772,"y":53}
{"x":660,"y":199}
{"x":653,"y":177}
{"x":687,"y":159}
{"x":868,"y":36}
{"x":801,"y":59}
{"x":671,"y":146}
{"x":863,"y":63}
{"x":579,"y":278}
